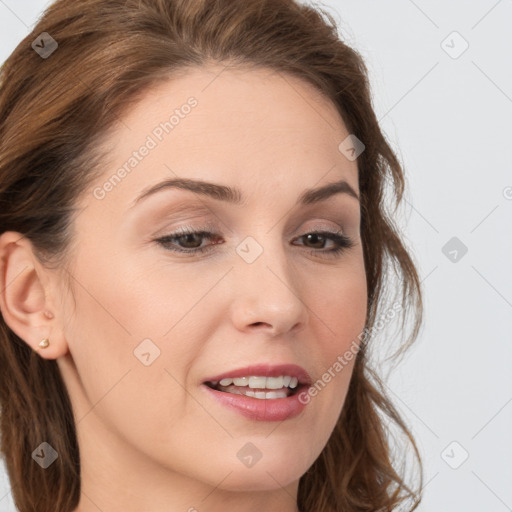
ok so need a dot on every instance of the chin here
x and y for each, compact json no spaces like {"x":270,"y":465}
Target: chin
{"x":264,"y":479}
{"x":274,"y":470}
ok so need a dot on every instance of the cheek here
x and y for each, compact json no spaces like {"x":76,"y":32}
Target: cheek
{"x":125,"y":314}
{"x":340,"y":308}
{"x":124,"y":302}
{"x":339,"y":304}
{"x":113,"y":331}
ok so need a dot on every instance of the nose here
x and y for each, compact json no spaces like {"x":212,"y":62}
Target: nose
{"x":267,"y":294}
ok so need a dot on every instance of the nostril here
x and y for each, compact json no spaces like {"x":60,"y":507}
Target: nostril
{"x":260,"y":323}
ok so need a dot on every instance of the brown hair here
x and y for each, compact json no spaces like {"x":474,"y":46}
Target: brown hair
{"x":55,"y":111}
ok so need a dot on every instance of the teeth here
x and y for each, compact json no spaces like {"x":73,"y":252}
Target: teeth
{"x":261,"y":382}
{"x":262,"y":395}
{"x":274,"y":382}
{"x":257,"y":382}
{"x":241,"y":381}
{"x":267,"y":387}
{"x":266,"y":382}
{"x":276,"y":394}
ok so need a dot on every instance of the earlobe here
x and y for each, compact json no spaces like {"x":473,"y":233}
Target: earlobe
{"x":24,"y":301}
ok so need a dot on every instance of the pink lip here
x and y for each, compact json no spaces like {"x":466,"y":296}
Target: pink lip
{"x":266,"y":370}
{"x":278,"y":409}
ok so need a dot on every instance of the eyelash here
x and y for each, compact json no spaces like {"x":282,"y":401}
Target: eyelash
{"x":343,"y":242}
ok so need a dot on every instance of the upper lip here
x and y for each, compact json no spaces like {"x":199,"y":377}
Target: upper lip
{"x":266,"y":370}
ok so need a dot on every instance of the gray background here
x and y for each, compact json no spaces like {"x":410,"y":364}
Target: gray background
{"x":449,"y":116}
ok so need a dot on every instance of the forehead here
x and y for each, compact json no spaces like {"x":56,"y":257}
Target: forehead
{"x":251,"y":127}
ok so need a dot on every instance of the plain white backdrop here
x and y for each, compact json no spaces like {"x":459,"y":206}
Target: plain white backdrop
{"x":441,"y":80}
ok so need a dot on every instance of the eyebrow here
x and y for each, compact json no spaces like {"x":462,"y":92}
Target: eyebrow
{"x":235,"y":195}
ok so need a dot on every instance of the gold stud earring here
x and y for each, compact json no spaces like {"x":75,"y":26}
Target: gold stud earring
{"x":44,"y":343}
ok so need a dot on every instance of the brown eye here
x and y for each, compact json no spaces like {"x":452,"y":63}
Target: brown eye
{"x":186,"y":240}
{"x":341,"y":241}
{"x":316,"y":238}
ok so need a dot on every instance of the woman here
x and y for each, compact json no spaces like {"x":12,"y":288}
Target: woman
{"x":194,"y":251}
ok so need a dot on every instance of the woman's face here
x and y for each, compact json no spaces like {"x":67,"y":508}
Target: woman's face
{"x":147,"y":324}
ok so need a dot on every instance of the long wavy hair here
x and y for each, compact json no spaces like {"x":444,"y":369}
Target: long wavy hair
{"x":54,"y":113}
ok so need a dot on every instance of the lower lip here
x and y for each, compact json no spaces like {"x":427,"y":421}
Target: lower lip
{"x":261,"y":409}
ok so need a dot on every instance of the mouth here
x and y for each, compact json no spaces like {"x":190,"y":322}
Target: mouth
{"x":263,"y":388}
{"x":261,"y":392}
{"x":262,"y":382}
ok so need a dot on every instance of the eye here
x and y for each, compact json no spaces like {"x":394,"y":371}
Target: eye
{"x":189,"y":237}
{"x":188,"y":241}
{"x":341,"y":242}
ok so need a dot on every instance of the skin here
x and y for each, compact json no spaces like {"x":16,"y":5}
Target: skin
{"x":150,"y":437}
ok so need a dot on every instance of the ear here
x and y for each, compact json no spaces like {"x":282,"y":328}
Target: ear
{"x":27,"y":296}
